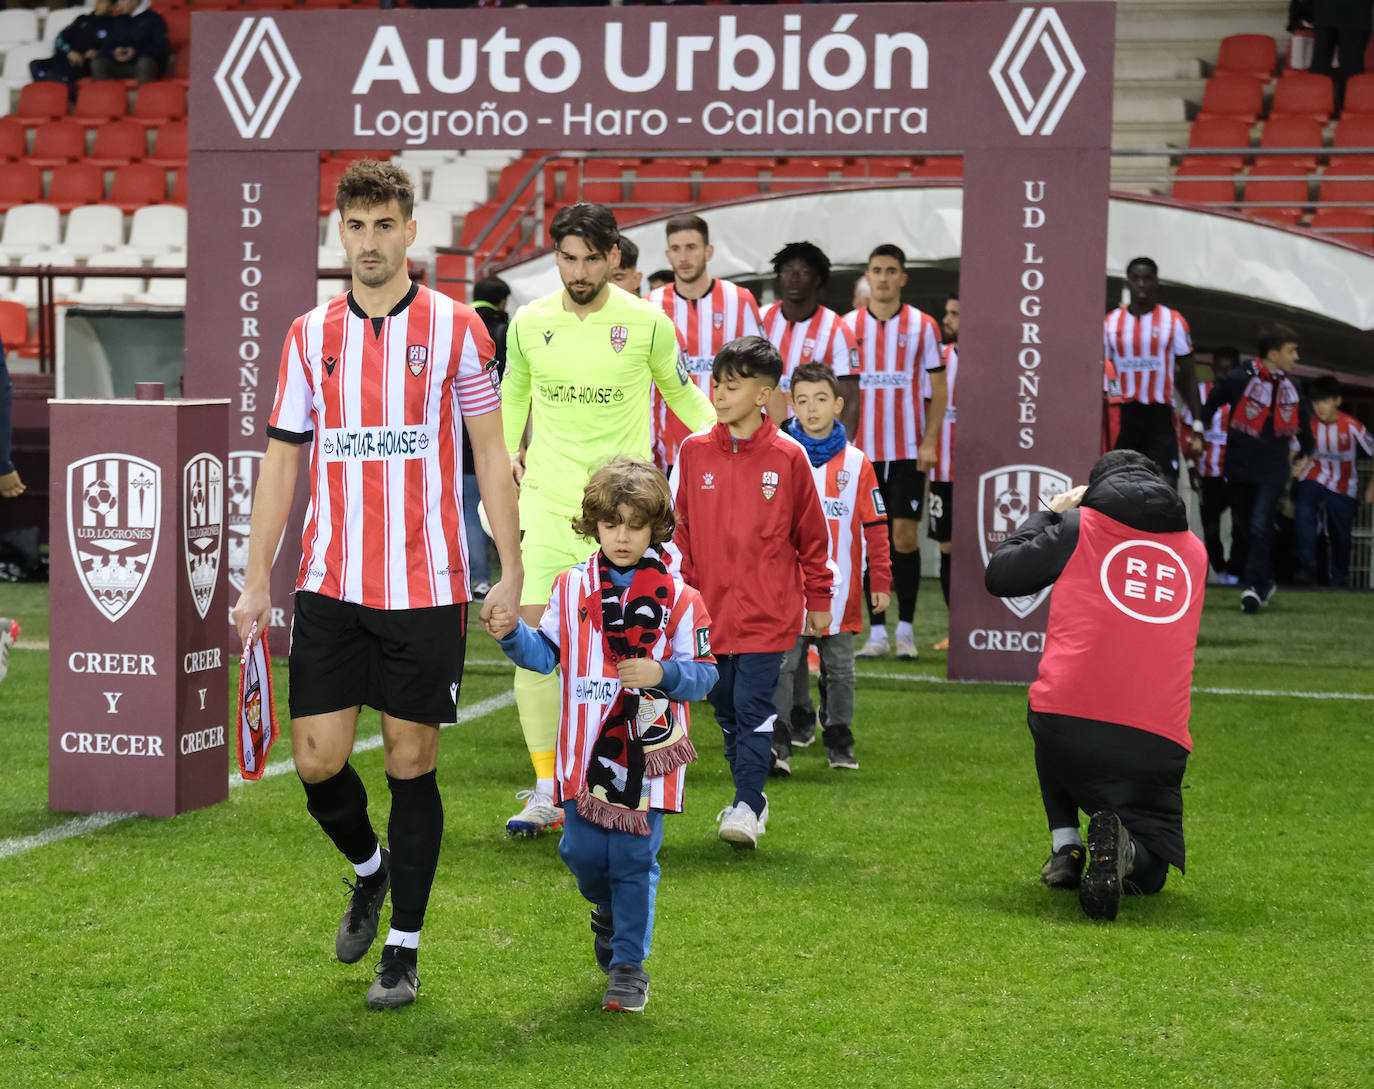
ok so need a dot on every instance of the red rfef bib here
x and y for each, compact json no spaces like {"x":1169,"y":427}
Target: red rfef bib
{"x":256,"y":722}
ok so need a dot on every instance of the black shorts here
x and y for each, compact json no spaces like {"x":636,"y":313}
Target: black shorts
{"x":941,"y":510}
{"x":903,"y":487}
{"x":1149,"y":429}
{"x":407,"y":663}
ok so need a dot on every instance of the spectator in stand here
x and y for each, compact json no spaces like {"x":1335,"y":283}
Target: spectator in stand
{"x":77,"y":45}
{"x":10,"y":484}
{"x":1268,"y":413}
{"x":136,"y":45}
{"x":489,"y":297}
{"x":627,"y":276}
{"x":1328,"y":483}
{"x":1341,"y":32}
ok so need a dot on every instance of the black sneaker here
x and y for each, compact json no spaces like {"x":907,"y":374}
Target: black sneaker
{"x":843,"y":758}
{"x":1109,"y":860}
{"x":397,"y":982}
{"x":603,"y":927}
{"x":1250,"y":600}
{"x":627,"y":991}
{"x":1064,"y":868}
{"x":779,"y":766}
{"x":358,"y":927}
{"x":804,"y":730}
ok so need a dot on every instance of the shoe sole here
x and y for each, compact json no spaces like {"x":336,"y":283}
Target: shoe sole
{"x":1249,"y":605}
{"x":804,"y":744}
{"x":390,"y":1002}
{"x":739,"y":839}
{"x":522,"y":830}
{"x":617,"y":1007}
{"x":1100,"y":891}
{"x":845,"y":767}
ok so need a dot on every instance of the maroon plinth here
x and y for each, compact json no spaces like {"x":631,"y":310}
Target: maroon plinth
{"x":138,"y":690}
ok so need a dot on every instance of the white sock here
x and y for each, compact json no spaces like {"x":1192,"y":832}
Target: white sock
{"x":406,"y":939}
{"x":371,"y":866}
{"x":544,"y":787}
{"x":904,"y":629}
{"x":1063,"y":837}
{"x":878,"y":634}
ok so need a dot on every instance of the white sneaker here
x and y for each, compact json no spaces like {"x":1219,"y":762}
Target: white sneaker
{"x":906,"y":648}
{"x":539,"y":815}
{"x":739,"y":827}
{"x":876,"y":647}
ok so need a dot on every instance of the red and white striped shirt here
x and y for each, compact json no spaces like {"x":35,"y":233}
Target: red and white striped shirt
{"x":705,"y":325}
{"x":943,"y":471}
{"x":895,"y":357}
{"x":857,"y":521}
{"x":1144,"y":349}
{"x":1333,"y":456}
{"x":385,"y":523}
{"x":1212,"y":461}
{"x":590,"y":682}
{"x":822,"y":338}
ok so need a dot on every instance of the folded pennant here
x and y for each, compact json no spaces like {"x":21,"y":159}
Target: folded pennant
{"x":257,"y":716}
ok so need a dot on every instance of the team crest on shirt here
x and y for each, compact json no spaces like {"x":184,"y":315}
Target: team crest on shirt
{"x":619,"y":335}
{"x":808,"y":346}
{"x":416,"y":357}
{"x":842,"y":478}
{"x":717,"y":321}
{"x":901,"y":340}
{"x":769,"y":484}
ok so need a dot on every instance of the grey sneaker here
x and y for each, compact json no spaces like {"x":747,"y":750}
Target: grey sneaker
{"x":627,"y":990}
{"x":803,"y":731}
{"x":603,"y":927}
{"x":843,"y":758}
{"x":1110,"y":855}
{"x":1064,"y":868}
{"x":906,"y":649}
{"x":397,"y":982}
{"x":358,"y":927}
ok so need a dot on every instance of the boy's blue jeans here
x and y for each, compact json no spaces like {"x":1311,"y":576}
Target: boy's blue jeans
{"x":618,"y":873}
{"x":743,"y":702}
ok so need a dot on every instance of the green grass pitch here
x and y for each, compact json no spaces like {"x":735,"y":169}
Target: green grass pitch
{"x":891,"y":930}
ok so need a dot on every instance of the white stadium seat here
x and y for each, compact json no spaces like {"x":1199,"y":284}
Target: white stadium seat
{"x":92,"y":229}
{"x":459,"y":186}
{"x":26,"y":287}
{"x":110,"y":291}
{"x":166,"y":292}
{"x":157,"y":228}
{"x":28,"y":227}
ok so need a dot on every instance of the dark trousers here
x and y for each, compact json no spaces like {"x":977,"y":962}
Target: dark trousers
{"x":1253,"y":506}
{"x":1149,"y":429}
{"x":1345,"y":43}
{"x":618,"y":873}
{"x":1215,"y":496}
{"x":1313,"y":501}
{"x":743,"y":702}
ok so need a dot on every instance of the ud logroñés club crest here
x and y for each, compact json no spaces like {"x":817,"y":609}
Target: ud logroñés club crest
{"x":1007,"y":496}
{"x":113,"y":505}
{"x":619,"y":335}
{"x":769,"y":484}
{"x":416,"y":357}
{"x":244,"y":466}
{"x":202,"y":521}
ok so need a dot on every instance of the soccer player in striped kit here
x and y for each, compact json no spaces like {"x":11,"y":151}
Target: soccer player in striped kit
{"x":1147,"y":342}
{"x":1209,"y":468}
{"x":941,"y":527}
{"x":898,"y":357}
{"x":708,"y":314}
{"x":1328,"y":482}
{"x":379,"y":382}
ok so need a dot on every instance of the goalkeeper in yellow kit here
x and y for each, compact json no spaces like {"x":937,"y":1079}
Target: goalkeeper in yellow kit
{"x":580,"y":367}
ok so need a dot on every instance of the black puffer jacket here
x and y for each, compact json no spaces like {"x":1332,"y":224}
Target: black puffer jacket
{"x":1037,"y":553}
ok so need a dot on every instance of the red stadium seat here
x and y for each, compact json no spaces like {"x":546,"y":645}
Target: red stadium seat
{"x":20,"y":183}
{"x":331,"y":170}
{"x":1359,"y":96}
{"x":1341,"y":182}
{"x":1333,"y":219}
{"x":58,"y":142}
{"x":1234,"y":96}
{"x":178,"y":22}
{"x":14,"y":327}
{"x":504,"y":237}
{"x":1254,"y":55}
{"x":941,"y":166}
{"x":214,"y":5}
{"x":100,"y":100}
{"x":1218,"y":132}
{"x":1302,"y":94}
{"x":76,"y":184}
{"x":799,"y":174}
{"x":138,"y":184}
{"x":119,"y":142}
{"x":1300,"y":132}
{"x":512,"y":174}
{"x":727,"y":180}
{"x":169,"y":146}
{"x":13,"y":140}
{"x":40,"y":102}
{"x":1262,"y":187}
{"x":601,"y":181}
{"x":879,"y":168}
{"x":1353,"y":131}
{"x":662,"y":182}
{"x":158,"y":102}
{"x":1196,"y":191}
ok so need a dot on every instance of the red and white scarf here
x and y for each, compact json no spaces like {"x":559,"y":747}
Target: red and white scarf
{"x":1267,"y":392}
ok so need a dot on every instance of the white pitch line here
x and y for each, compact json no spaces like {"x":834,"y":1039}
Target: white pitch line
{"x":924,"y":678}
{"x":91,"y":822}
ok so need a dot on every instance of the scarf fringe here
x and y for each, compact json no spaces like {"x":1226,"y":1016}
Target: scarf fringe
{"x":614,"y":817}
{"x":661,"y":761}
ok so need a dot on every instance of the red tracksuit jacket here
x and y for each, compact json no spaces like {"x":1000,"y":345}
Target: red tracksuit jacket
{"x":750,"y":533}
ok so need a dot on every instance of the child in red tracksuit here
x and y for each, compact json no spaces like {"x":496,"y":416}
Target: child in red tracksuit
{"x":751,"y":537}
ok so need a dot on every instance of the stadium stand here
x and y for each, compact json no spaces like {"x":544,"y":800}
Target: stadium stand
{"x":28,"y":227}
{"x":76,"y":184}
{"x":40,"y":102}
{"x":1218,"y":132}
{"x":1235,"y":96}
{"x":118,"y":143}
{"x":100,"y":100}
{"x":1273,"y":193}
{"x":1253,"y":55}
{"x":57,"y":143}
{"x":20,"y":183}
{"x":92,"y":229}
{"x":1302,"y":94}
{"x":1292,"y":132}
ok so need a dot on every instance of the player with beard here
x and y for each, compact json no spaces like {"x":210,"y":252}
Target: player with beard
{"x":580,"y":366}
